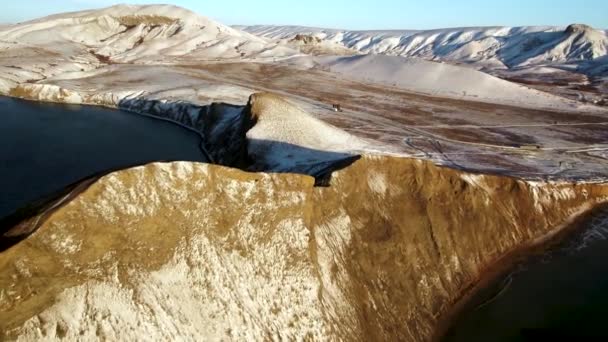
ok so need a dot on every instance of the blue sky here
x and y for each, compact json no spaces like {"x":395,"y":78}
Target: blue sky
{"x":356,"y":14}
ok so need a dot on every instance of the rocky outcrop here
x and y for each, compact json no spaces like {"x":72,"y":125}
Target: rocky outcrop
{"x":53,"y":93}
{"x":578,"y":28}
{"x":200,"y":251}
{"x":287,"y":139}
{"x":312,"y":45}
{"x":306,"y":39}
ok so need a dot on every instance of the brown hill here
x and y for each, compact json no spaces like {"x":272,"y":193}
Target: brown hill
{"x":201,"y":251}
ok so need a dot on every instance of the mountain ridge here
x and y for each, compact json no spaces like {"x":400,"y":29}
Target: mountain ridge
{"x":129,"y":33}
{"x":499,"y":46}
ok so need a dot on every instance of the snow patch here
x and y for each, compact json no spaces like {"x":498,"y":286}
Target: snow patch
{"x":478,"y":181}
{"x":377,"y":182}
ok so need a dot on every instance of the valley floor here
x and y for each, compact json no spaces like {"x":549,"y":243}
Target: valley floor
{"x":533,"y":143}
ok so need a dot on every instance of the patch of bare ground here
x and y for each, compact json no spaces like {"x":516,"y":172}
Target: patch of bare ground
{"x":569,"y":85}
{"x":135,"y":20}
{"x":500,"y":162}
{"x":559,"y":78}
{"x":386,"y":101}
{"x":589,"y":88}
{"x":391,"y":103}
{"x":102,"y":58}
{"x":509,"y":136}
{"x":589,"y":135}
{"x":481,"y":136}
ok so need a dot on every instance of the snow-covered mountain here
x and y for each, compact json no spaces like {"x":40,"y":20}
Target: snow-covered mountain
{"x":492,"y":46}
{"x":125,"y":33}
{"x":81,"y":45}
{"x":81,"y":42}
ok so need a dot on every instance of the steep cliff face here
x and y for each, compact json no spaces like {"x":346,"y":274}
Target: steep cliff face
{"x":201,"y":251}
{"x":167,"y":250}
{"x":405,"y":239}
{"x":222,"y":126}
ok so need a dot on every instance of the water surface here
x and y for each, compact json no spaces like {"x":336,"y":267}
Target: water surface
{"x":46,"y":147}
{"x":560,"y":295}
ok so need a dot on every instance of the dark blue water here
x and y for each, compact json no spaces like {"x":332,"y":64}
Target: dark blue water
{"x":559,"y":295}
{"x":46,"y":147}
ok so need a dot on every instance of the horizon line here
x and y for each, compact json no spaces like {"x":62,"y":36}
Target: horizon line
{"x":306,"y":25}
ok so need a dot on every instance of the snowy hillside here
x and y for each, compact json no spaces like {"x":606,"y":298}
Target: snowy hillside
{"x":435,"y":78}
{"x":492,"y":46}
{"x":79,"y":46}
{"x":126,"y":33}
{"x":287,"y":139}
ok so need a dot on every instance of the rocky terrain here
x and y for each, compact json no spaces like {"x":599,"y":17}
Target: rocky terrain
{"x":374,"y":223}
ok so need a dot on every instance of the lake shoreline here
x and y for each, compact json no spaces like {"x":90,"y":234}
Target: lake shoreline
{"x":505,"y":265}
{"x":83,"y":141}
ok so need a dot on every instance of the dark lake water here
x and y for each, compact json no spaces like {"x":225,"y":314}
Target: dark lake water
{"x":560,"y":295}
{"x":46,"y":147}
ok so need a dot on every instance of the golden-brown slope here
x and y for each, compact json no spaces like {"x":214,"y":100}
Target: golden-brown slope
{"x":202,"y":251}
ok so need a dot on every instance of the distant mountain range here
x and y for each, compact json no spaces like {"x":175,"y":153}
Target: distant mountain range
{"x":81,"y":44}
{"x":162,"y":32}
{"x":506,"y":47}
